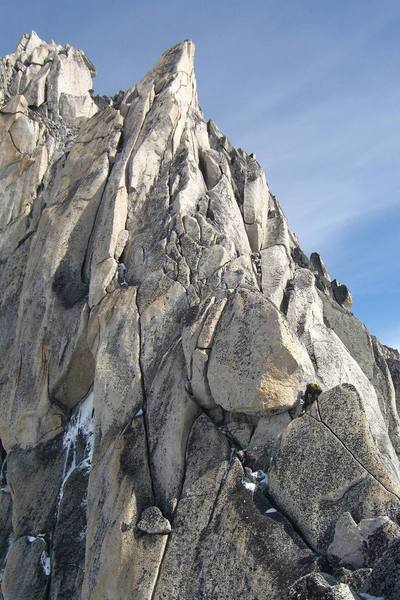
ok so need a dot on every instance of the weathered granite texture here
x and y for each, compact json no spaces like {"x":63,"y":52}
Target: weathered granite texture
{"x":188,"y":408}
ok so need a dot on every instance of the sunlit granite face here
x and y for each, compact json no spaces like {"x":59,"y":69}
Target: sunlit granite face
{"x":188,"y":408}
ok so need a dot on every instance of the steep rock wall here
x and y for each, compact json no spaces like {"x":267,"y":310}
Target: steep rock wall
{"x":165,"y":343}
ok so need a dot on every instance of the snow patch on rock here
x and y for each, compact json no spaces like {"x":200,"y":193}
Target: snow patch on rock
{"x":45,"y":563}
{"x":32,"y":538}
{"x":80,"y":426}
{"x":253,"y":480}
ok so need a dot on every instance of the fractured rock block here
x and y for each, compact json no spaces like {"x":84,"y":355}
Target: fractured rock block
{"x":153,"y":522}
{"x":255,"y":364}
{"x":360,"y":545}
{"x":317,"y":586}
{"x":342,"y":294}
{"x":314,"y":490}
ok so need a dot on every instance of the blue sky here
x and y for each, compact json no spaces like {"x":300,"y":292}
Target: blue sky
{"x":311,"y":86}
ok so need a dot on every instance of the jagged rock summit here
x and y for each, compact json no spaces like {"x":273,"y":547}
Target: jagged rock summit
{"x":188,"y":408}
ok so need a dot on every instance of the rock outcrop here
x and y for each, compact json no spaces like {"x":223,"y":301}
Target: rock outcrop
{"x":188,"y":408}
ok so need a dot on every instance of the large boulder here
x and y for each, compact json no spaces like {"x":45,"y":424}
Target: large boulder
{"x":256,"y":364}
{"x":359,"y":545}
{"x":153,"y":522}
{"x":316,"y":586}
{"x":314,"y":490}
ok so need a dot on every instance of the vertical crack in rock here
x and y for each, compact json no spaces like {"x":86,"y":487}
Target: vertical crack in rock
{"x":86,"y":263}
{"x":165,"y":550}
{"x":352,"y":454}
{"x":221,"y":485}
{"x":145,"y":416}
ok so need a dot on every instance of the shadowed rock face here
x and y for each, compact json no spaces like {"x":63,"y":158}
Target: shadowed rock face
{"x":159,"y":327}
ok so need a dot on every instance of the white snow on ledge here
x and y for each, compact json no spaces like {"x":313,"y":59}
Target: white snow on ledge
{"x":81,"y":424}
{"x":45,"y":563}
{"x":249,"y":486}
{"x":32,"y":538}
{"x":253,"y":480}
{"x":369,"y":597}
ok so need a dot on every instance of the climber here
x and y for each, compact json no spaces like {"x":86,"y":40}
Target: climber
{"x":311,"y":394}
